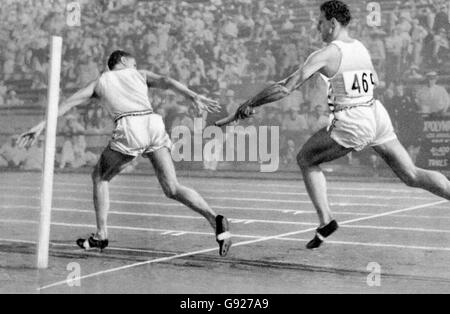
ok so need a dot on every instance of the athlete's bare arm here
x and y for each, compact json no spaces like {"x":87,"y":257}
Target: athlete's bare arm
{"x":163,"y":82}
{"x":80,"y":97}
{"x":316,"y":62}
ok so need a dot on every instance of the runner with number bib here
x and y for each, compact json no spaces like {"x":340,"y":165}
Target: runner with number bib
{"x":357,"y":119}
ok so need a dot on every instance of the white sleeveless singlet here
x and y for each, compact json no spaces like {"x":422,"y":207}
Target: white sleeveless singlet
{"x":124,"y":92}
{"x":354,"y":82}
{"x":357,"y":120}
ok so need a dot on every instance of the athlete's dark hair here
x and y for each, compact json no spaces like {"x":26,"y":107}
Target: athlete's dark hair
{"x":337,"y":9}
{"x":115,"y":57}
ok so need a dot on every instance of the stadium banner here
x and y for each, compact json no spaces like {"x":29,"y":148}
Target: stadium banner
{"x":435,"y":149}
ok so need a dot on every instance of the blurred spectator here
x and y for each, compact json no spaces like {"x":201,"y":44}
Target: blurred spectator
{"x":230,"y":27}
{"x":413,"y":73}
{"x":418,"y":35}
{"x":295,"y":127}
{"x":388,"y":99}
{"x":87,"y":72}
{"x":377,"y":49}
{"x":8,"y":68}
{"x":11,"y":155}
{"x":441,"y":20}
{"x":400,"y":102}
{"x":74,"y":153}
{"x":394,"y":46}
{"x":245,"y":25}
{"x":407,"y":119}
{"x":269,"y":61}
{"x":433,"y":98}
{"x":404,"y":24}
{"x":289,"y":58}
{"x":95,"y":120}
{"x":292,"y":101}
{"x":289,"y":154}
{"x":441,"y":47}
{"x":72,"y":125}
{"x":39,"y":73}
{"x":12,"y":99}
{"x":182,"y":118}
{"x":34,"y":157}
{"x":429,"y":17}
{"x":317,"y":119}
{"x":229,"y":101}
{"x":3,"y":93}
{"x":288,"y":25}
{"x":170,"y":108}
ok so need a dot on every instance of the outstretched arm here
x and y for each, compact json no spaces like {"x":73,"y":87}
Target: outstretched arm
{"x":201,"y":102}
{"x":283,"y":88}
{"x":80,"y":97}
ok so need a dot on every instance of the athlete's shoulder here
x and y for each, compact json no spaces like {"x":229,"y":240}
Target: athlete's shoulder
{"x":361,"y":44}
{"x":144,"y":73}
{"x":325,"y":52}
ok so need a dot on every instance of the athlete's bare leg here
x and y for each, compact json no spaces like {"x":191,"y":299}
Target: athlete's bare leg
{"x":400,"y":162}
{"x":110,"y":164}
{"x":318,"y":149}
{"x":165,"y":171}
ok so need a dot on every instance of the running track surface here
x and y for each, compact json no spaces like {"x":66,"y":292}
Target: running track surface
{"x":160,"y":246}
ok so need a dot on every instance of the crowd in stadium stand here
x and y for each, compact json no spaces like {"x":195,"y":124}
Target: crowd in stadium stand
{"x":215,"y":46}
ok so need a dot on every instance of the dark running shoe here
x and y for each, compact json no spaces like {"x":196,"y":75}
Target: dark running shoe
{"x":92,"y":242}
{"x":223,"y":235}
{"x":321,"y":234}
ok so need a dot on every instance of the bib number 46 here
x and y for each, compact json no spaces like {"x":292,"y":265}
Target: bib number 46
{"x":364,"y":82}
{"x":359,"y":83}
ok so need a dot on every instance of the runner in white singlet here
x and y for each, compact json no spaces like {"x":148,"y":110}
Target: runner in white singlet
{"x":357,"y":119}
{"x":138,"y":131}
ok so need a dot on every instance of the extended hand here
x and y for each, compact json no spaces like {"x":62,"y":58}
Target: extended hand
{"x":203,"y":103}
{"x":244,"y":111}
{"x":29,"y":138}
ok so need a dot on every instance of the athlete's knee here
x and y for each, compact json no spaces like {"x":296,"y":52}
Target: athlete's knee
{"x":411,"y":177}
{"x":304,"y":161}
{"x":97,"y":176}
{"x":171,"y":189}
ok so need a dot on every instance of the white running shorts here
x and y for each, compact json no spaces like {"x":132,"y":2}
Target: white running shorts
{"x":140,"y":135}
{"x":362,"y":126}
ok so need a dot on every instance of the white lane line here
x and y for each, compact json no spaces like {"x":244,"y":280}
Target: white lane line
{"x":171,"y":232}
{"x":262,"y":239}
{"x":348,"y":243}
{"x":156,"y":230}
{"x":78,"y":199}
{"x":238,"y":220}
{"x":359,"y":186}
{"x":73,"y":246}
{"x":209,"y":197}
{"x":229,"y":182}
{"x":293,"y":212}
{"x":383,"y":245}
{"x":132,"y":188}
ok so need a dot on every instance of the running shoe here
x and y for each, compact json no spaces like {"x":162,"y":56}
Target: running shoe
{"x":322,"y":233}
{"x":223,"y":235}
{"x":92,"y":242}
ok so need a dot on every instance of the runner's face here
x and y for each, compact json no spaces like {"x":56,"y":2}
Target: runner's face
{"x":325,"y":28}
{"x":129,"y":62}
